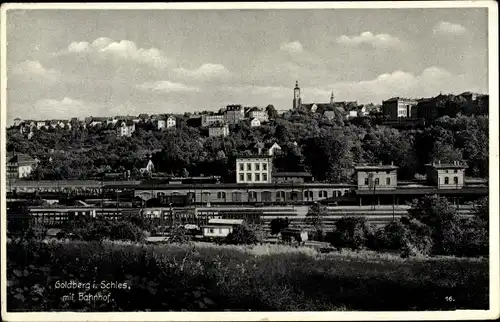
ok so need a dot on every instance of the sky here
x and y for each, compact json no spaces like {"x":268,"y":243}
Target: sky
{"x":77,"y":63}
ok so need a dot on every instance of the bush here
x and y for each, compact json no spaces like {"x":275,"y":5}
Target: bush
{"x":179,"y":235}
{"x":215,"y":278}
{"x":98,"y":229}
{"x":242,"y":235}
{"x":350,"y":232}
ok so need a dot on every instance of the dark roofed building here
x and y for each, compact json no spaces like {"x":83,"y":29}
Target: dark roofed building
{"x":300,"y":177}
{"x":20,"y":166}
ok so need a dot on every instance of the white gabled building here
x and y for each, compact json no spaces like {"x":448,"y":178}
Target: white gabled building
{"x":160,"y":124}
{"x":171,"y":122}
{"x":254,"y":122}
{"x":126,"y":128}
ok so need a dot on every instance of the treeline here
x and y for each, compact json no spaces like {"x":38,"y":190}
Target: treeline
{"x":432,"y":227}
{"x":328,"y":149}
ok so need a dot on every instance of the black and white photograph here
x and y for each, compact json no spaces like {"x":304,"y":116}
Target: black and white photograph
{"x":249,"y":161}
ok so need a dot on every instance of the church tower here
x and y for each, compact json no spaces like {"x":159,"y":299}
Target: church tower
{"x":297,"y":102}
{"x":332,"y":99}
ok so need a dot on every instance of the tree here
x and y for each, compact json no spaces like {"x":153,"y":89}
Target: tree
{"x":278,"y":224}
{"x":350,"y":232}
{"x":314,"y":218}
{"x":271,"y":112}
{"x":443,"y":220}
{"x":242,"y":235}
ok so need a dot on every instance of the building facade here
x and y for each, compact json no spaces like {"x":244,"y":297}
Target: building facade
{"x":218,"y":130}
{"x":20,"y":166}
{"x":397,"y":107}
{"x":376,"y":177}
{"x":207,"y":119}
{"x":160,"y":124}
{"x":126,"y":129}
{"x":254,"y":169}
{"x":171,"y":122}
{"x":235,"y":114}
{"x":255,"y":122}
{"x":446,"y":175}
{"x":258,"y":113}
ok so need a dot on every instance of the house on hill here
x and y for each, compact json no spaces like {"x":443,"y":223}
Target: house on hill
{"x":255,"y":122}
{"x":218,"y":129}
{"x":260,"y":148}
{"x":20,"y":166}
{"x":126,"y":128}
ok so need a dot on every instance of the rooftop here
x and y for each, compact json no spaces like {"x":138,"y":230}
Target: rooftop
{"x":225,"y":222}
{"x":292,"y":174}
{"x":369,"y":167}
{"x":21,"y":158}
{"x":439,"y":165}
{"x":255,"y":156}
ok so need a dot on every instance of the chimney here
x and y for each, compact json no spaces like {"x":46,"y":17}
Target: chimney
{"x":392,"y":162}
{"x":439,"y":161}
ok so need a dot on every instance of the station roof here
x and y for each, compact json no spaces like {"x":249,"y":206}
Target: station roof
{"x":225,"y":222}
{"x":426,"y":191}
{"x":446,"y":165}
{"x":375,"y":167}
{"x":291,"y":174}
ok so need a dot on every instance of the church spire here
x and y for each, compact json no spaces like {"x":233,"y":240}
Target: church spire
{"x":332,"y":97}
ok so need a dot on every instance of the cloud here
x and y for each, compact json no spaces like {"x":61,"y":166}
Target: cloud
{"x":367,"y":37}
{"x":124,"y":50}
{"x":167,"y":87}
{"x":204,"y":72}
{"x":448,"y":28}
{"x":274,"y":92}
{"x":294,"y":47}
{"x":34,"y":70}
{"x":63,"y":109}
{"x":428,"y":83}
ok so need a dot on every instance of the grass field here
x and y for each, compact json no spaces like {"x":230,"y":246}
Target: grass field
{"x":205,"y":277}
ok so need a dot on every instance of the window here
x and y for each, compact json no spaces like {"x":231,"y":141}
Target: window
{"x":257,"y":177}
{"x":237,"y":196}
{"x":242,"y":177}
{"x":205,"y":197}
{"x":446,"y":180}
{"x":221,"y":195}
{"x":388,"y":181}
{"x":367,"y":181}
{"x":241,"y":167}
{"x":264,"y":177}
{"x":323,"y":194}
{"x":280,"y":194}
{"x":388,"y":172}
{"x":252,"y":195}
{"x":455,"y":180}
{"x":377,"y":181}
{"x":308,"y":194}
{"x":455,"y":171}
{"x":257,"y":167}
{"x":249,"y":177}
{"x":264,"y":167}
{"x":249,"y":167}
{"x":211,"y":230}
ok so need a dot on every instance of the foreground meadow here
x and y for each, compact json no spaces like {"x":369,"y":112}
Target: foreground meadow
{"x":116,"y":276}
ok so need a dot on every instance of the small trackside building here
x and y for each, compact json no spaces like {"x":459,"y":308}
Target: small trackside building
{"x":446,"y":175}
{"x":376,"y":177}
{"x":220,"y":228}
